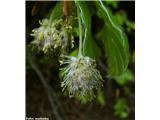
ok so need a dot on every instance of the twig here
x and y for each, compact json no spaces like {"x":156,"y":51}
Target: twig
{"x":46,"y":87}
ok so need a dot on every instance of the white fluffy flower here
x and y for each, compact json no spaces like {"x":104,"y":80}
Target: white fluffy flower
{"x":55,"y":37}
{"x":80,"y":77}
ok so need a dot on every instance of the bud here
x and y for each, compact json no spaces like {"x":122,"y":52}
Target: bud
{"x":80,"y":77}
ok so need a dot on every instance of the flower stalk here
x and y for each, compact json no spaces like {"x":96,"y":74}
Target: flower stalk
{"x":80,"y":34}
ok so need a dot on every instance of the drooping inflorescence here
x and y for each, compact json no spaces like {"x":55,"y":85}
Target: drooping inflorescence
{"x":53,"y":37}
{"x":80,"y":77}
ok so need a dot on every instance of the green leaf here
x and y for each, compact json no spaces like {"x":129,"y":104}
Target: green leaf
{"x":117,"y":52}
{"x":130,"y":24}
{"x":74,"y":53}
{"x":57,"y":11}
{"x":114,"y":4}
{"x":89,"y":46}
{"x":115,"y":42}
{"x":121,"y":17}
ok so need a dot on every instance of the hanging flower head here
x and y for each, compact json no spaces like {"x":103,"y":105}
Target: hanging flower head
{"x":80,"y":77}
{"x":54,"y":37}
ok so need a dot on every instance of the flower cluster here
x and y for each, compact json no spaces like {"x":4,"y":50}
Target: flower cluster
{"x":53,"y":37}
{"x":80,"y":77}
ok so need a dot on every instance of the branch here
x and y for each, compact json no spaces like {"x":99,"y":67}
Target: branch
{"x":47,"y":88}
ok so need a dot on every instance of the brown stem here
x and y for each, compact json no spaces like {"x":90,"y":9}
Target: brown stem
{"x":66,"y":8}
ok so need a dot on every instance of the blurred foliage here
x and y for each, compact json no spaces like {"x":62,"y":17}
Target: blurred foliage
{"x":110,"y":41}
{"x":121,"y":108}
{"x":124,"y":78}
{"x":100,"y":97}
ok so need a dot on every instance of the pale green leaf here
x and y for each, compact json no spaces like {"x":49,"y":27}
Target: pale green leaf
{"x":115,"y":42}
{"x":89,"y":46}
